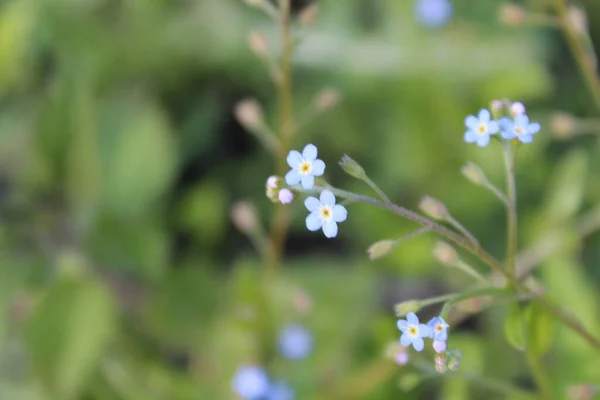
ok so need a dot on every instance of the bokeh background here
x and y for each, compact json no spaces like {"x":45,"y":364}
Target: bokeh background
{"x":122,"y":275}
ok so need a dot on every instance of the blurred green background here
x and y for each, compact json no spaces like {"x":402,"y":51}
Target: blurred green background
{"x":120,"y":158}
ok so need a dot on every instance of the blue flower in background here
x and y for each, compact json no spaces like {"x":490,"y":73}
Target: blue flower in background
{"x":413,"y":332}
{"x":439,"y":329}
{"x":304,"y":166}
{"x":433,"y":13}
{"x":324,"y":213}
{"x":480,"y":128}
{"x":280,"y":391}
{"x":519,"y":128}
{"x":295,"y":342}
{"x":250,"y":382}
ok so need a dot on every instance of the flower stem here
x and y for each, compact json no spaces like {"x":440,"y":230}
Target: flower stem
{"x":377,"y":190}
{"x":511,"y":239}
{"x":539,"y":374}
{"x":461,"y":229}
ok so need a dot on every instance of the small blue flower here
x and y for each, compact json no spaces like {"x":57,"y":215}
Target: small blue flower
{"x":519,"y":128}
{"x":439,"y":329}
{"x":480,"y":128}
{"x":280,"y":391}
{"x":433,"y":13}
{"x":304,"y":166}
{"x":295,"y":342}
{"x":250,"y":382}
{"x":413,"y":332}
{"x":324,"y":213}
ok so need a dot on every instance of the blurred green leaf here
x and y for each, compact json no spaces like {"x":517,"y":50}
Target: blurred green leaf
{"x":514,"y":326}
{"x":540,"y":329}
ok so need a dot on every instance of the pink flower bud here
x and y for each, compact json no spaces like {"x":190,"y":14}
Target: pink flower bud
{"x":286,"y":196}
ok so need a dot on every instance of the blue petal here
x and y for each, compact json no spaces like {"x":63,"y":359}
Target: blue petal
{"x":425,"y":331}
{"x":508,"y":134}
{"x":470,"y":136}
{"x":310,"y":152}
{"x":432,"y":322}
{"x":330,"y":229}
{"x":308,"y":181}
{"x":418,"y":343}
{"x":534,"y":127}
{"x":402,"y":325}
{"x":312,"y":204}
{"x":506,"y":123}
{"x":313,"y":222}
{"x":493,"y":127}
{"x":293,"y":177}
{"x":412,"y":319}
{"x":405,"y":339}
{"x":318,"y":167}
{"x":484,"y":115}
{"x":526,"y":138}
{"x":339,"y":213}
{"x":471,"y":122}
{"x":522,"y":120}
{"x":441,"y":336}
{"x":327,"y":198}
{"x":294,"y":159}
{"x":483,"y":140}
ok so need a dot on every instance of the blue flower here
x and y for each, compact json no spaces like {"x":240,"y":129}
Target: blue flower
{"x":433,"y":13}
{"x":324,"y":213}
{"x":295,"y":342}
{"x":413,"y":332}
{"x":519,"y":128}
{"x":439,"y":329}
{"x":304,"y":166}
{"x":250,"y":382}
{"x":280,"y":391}
{"x":480,"y":128}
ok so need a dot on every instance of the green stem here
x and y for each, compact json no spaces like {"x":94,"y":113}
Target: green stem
{"x":544,"y":300}
{"x":578,"y":50}
{"x":461,"y":229}
{"x":467,"y":269}
{"x":540,"y":376}
{"x":498,"y":193}
{"x":451,"y":301}
{"x":377,"y":190}
{"x":511,"y":239}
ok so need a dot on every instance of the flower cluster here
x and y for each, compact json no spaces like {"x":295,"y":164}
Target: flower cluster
{"x":516,"y":126}
{"x":251,"y":382}
{"x":413,"y":332}
{"x":324,"y":213}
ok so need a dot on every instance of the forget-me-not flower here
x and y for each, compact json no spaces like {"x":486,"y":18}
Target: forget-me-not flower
{"x":519,"y":128}
{"x":280,"y":390}
{"x":413,"y":332}
{"x":324,"y":213}
{"x":250,"y":382}
{"x":304,"y":166}
{"x":439,"y":329}
{"x":433,"y":13}
{"x":295,"y":342}
{"x":480,"y":128}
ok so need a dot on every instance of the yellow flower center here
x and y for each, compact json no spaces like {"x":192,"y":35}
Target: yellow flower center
{"x":439,"y":328}
{"x":305,"y":167}
{"x":519,"y":130}
{"x":326,"y":213}
{"x":482,"y":129}
{"x":413,"y":330}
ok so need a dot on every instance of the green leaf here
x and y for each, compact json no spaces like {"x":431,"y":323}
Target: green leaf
{"x":540,"y":329}
{"x":68,"y":333}
{"x":514,"y":326}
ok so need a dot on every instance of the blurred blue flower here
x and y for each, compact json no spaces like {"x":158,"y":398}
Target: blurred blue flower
{"x":413,"y":332}
{"x":304,"y":166}
{"x":280,"y":391}
{"x":324,"y":213}
{"x":433,"y":13}
{"x":519,"y":128}
{"x":439,"y":329}
{"x":250,"y":382}
{"x":295,"y":342}
{"x":480,"y":128}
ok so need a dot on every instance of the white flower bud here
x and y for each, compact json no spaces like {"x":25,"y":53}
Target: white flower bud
{"x":563,"y":124}
{"x":511,"y":14}
{"x":445,"y":254}
{"x":258,"y":44}
{"x":249,"y":114}
{"x":433,"y":207}
{"x":327,"y":98}
{"x":381,"y":248}
{"x":243,"y":216}
{"x":309,"y":14}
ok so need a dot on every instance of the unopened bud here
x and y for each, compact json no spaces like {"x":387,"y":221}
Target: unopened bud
{"x":433,"y":207}
{"x":445,"y":253}
{"x":453,"y":364}
{"x":577,"y":20}
{"x":563,"y":124}
{"x":439,"y":346}
{"x":441,"y":368}
{"x":249,"y":114}
{"x":302,"y":302}
{"x":273,"y":195}
{"x":327,"y":99}
{"x":473,"y":173}
{"x":511,"y":14}
{"x":243,"y":216}
{"x":309,"y":14}
{"x":517,"y":108}
{"x":381,"y":248}
{"x":401,"y":358}
{"x":258,"y":44}
{"x":583,"y":391}
{"x":497,"y":108}
{"x":454,"y":359}
{"x":286,"y":196}
{"x":440,"y":359}
{"x":401,"y":309}
{"x":352,"y":168}
{"x":273,"y":182}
